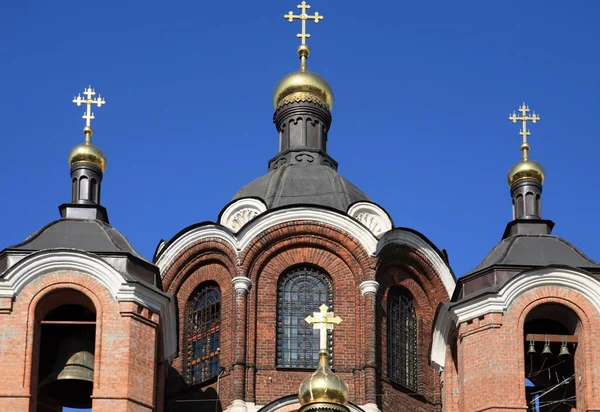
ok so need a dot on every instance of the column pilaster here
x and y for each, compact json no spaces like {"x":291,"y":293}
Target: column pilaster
{"x":368,"y":290}
{"x":241,"y":286}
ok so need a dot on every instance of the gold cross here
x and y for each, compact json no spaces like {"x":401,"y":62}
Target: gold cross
{"x":534,"y":118}
{"x":303,"y":17}
{"x":88,"y":115}
{"x":323,"y":321}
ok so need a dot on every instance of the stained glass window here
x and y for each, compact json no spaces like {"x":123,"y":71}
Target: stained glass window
{"x":300,"y":293}
{"x":402,"y":338}
{"x":203,"y":334}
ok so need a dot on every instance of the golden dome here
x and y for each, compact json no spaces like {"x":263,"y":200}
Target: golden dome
{"x":303,"y":84}
{"x":526,"y":169}
{"x":87,"y":152}
{"x":323,"y":386}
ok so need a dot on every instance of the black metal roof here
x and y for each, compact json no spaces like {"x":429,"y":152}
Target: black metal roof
{"x":89,"y":235}
{"x":299,"y":184}
{"x":524,"y":246}
{"x":535,"y":250}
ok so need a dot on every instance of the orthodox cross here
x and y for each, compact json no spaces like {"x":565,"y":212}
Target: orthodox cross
{"x":323,"y":321}
{"x":303,"y":17}
{"x":89,"y":115}
{"x":524,"y":109}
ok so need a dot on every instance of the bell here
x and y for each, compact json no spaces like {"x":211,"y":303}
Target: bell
{"x":531,"y":350}
{"x":564,"y":352}
{"x":71,"y":381}
{"x":547,"y":352}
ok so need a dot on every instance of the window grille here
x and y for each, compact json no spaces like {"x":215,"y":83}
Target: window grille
{"x":300,"y":293}
{"x":203,"y":334}
{"x":402,"y":339}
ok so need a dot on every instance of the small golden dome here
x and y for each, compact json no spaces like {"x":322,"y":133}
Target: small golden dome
{"x":526,"y":169}
{"x":87,"y":152}
{"x":323,"y":386}
{"x":303,"y":82}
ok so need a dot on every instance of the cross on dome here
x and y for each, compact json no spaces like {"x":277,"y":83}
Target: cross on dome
{"x":88,"y":115}
{"x":323,"y":321}
{"x":303,"y":17}
{"x":524,"y":109}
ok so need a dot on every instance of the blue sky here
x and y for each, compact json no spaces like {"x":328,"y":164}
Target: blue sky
{"x":423,"y":91}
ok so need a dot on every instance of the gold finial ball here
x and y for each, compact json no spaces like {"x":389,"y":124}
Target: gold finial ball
{"x":526,"y":169}
{"x":303,"y":50}
{"x":303,"y":82}
{"x":323,"y":386}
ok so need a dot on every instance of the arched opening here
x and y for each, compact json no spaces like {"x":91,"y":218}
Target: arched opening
{"x":300,"y":289}
{"x":84,"y":188}
{"x":402,"y":338}
{"x":203,"y":334}
{"x":551,"y":336}
{"x":67,"y":336}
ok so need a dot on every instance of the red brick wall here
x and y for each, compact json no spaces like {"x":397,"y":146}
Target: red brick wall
{"x":125,"y":352}
{"x":491,"y":358}
{"x":405,"y":267}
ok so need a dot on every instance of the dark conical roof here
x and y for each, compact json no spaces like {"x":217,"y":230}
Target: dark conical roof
{"x":90,"y":235}
{"x":299,"y":184}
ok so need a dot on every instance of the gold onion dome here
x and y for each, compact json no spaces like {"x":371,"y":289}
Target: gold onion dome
{"x":526,"y":169}
{"x":87,"y":152}
{"x":323,"y":386}
{"x":303,"y":85}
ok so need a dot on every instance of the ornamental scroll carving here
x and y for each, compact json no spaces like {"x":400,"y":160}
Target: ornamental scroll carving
{"x":238,"y":214}
{"x":372,"y":216}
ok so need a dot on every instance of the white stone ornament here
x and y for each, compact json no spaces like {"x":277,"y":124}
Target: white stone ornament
{"x":372,"y":216}
{"x":241,"y":212}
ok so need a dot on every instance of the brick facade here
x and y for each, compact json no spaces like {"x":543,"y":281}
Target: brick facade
{"x":358,"y":342}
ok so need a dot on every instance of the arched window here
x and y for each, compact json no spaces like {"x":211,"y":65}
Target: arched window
{"x":203,"y":334}
{"x":402,"y":338}
{"x":300,"y":293}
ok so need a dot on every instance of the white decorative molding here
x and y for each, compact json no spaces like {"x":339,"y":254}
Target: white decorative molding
{"x":500,"y":302}
{"x":42,"y":263}
{"x":242,"y":239}
{"x":372,"y":216}
{"x":369,"y":286}
{"x":237,"y":405}
{"x":405,"y":237}
{"x":241,"y":283}
{"x":241,"y":212}
{"x":370,"y":407}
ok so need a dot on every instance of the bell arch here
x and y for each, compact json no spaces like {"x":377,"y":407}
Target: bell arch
{"x":64,"y":350}
{"x":552,"y":360}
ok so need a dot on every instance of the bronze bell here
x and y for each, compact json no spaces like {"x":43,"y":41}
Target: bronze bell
{"x":564,"y":352}
{"x":531,"y":350}
{"x":547,"y":352}
{"x":71,"y":381}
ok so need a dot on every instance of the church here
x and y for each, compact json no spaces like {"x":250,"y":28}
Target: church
{"x":303,"y":295}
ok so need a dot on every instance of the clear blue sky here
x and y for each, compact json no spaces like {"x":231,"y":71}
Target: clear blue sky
{"x":423,"y":91}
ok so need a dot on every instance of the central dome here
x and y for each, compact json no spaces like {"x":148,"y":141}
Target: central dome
{"x":295,"y":184}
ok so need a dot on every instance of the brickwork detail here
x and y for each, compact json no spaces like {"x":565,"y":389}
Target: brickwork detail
{"x":126,"y":349}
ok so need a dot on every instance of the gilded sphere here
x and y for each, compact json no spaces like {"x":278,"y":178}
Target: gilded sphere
{"x":303,"y":81}
{"x":526,"y":169}
{"x":87,"y":153}
{"x":323,"y":386}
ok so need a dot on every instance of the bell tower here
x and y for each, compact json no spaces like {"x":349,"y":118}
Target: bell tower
{"x":84,"y":322}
